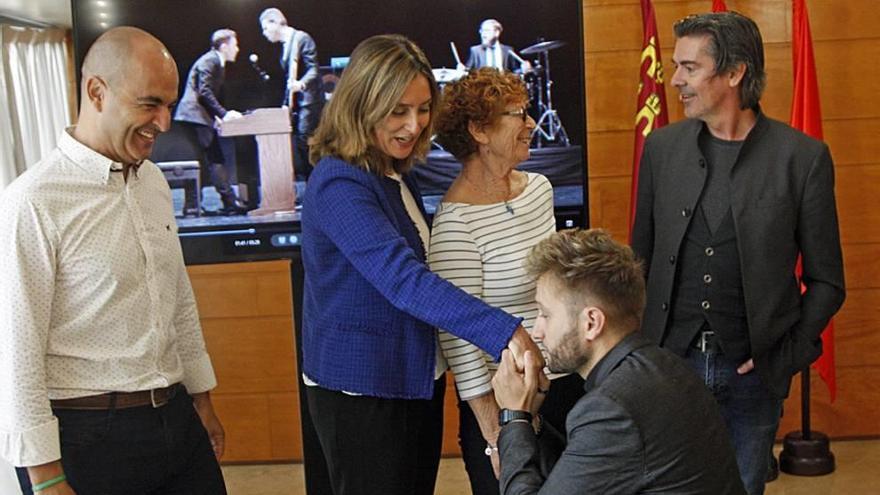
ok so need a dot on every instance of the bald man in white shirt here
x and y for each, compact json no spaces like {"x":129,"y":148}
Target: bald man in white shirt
{"x":104,"y":376}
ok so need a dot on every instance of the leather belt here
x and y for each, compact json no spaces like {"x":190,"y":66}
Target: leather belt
{"x":156,"y":397}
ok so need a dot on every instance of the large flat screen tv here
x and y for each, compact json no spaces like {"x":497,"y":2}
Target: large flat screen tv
{"x":546,"y":34}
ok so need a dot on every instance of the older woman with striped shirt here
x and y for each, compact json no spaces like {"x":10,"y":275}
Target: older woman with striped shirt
{"x":488,"y":221}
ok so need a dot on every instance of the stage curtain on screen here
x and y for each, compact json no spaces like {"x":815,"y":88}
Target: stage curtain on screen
{"x":34,"y":96}
{"x":807,"y":116}
{"x":651,"y":110}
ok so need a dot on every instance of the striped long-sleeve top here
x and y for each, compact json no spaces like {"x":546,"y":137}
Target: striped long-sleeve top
{"x":481,"y":249}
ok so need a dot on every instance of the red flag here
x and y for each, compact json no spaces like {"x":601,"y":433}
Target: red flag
{"x":807,"y":117}
{"x":718,"y":6}
{"x":651,"y":108}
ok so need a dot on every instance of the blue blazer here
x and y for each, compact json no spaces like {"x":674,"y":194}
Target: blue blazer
{"x":370,"y":304}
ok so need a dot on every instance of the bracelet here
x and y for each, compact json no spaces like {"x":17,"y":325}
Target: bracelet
{"x":49,"y":483}
{"x":490,"y":448}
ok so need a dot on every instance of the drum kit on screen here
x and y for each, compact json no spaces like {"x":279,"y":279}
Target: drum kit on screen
{"x":548,"y":128}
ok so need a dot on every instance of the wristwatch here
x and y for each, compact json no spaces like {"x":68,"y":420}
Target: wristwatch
{"x":506,"y":416}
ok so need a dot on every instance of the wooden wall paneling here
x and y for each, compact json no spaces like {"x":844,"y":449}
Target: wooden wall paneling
{"x":855,"y":329}
{"x":610,"y":146}
{"x":246,"y":314}
{"x":858,"y":203}
{"x":609,"y":205}
{"x":242,"y":289}
{"x":450,"y":420}
{"x":836,"y":20}
{"x":853,"y":141}
{"x":252,"y":354}
{"x":862,"y":262}
{"x":245,"y":418}
{"x":284,"y":426}
{"x":849,"y":80}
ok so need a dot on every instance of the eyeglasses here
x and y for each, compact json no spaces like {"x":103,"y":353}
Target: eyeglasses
{"x":521,"y":113}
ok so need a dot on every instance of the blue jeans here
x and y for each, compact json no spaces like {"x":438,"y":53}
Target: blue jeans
{"x":749,"y":410}
{"x":140,"y":450}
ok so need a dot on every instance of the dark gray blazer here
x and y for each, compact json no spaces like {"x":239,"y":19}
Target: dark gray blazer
{"x":645,"y":424}
{"x":200,"y":103}
{"x":782,"y":200}
{"x":302,"y":51}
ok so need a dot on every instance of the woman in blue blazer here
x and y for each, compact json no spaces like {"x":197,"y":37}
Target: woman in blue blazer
{"x":371,"y":306}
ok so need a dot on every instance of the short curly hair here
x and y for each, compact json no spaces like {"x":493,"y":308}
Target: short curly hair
{"x":479,"y":97}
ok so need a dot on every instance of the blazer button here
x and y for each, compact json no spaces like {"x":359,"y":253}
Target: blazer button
{"x":707,"y":278}
{"x":686,"y":212}
{"x":672,"y":260}
{"x":664,"y":306}
{"x":702,"y":163}
{"x":709,"y":251}
{"x":705,"y":305}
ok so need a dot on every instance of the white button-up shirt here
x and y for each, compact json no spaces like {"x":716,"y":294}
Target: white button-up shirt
{"x":94,"y":296}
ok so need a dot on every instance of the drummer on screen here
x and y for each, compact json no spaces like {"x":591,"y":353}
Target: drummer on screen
{"x":492,"y":53}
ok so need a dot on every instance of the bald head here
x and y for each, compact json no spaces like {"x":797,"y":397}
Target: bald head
{"x":122,"y":49}
{"x":129,"y":85}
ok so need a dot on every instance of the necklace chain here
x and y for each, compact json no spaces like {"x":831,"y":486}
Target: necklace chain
{"x":505,"y":199}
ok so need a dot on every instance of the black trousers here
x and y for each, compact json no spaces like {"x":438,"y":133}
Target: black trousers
{"x":305,"y":121}
{"x":218,"y":163}
{"x":141,"y":450}
{"x":564,"y":393}
{"x":379,"y":446}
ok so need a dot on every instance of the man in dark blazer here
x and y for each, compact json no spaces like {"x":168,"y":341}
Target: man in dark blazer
{"x":200,"y":108}
{"x":492,"y":53}
{"x":304,"y":93}
{"x":645,"y":424}
{"x":727,"y":201}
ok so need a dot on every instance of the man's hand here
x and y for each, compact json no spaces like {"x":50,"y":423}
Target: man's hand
{"x":515,"y":388}
{"x":521,"y":342}
{"x":296,"y":87}
{"x":202,"y":403}
{"x":46,"y":472}
{"x":746,"y":367}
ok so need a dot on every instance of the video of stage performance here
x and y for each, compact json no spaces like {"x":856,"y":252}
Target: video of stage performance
{"x":255,"y":75}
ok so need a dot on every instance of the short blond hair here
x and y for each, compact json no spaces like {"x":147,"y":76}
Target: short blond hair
{"x":380,"y":69}
{"x":591,"y":266}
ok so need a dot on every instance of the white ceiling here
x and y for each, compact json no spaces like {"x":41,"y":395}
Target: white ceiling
{"x":55,"y":12}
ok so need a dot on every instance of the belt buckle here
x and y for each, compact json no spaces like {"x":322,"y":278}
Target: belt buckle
{"x":158,"y":402}
{"x":705,"y":340}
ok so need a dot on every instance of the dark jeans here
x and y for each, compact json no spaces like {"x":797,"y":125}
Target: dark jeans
{"x":749,"y":410}
{"x":379,"y":446}
{"x":137,"y":451}
{"x":564,"y":393}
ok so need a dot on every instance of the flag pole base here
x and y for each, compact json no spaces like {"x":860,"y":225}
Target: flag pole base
{"x":810,"y":456}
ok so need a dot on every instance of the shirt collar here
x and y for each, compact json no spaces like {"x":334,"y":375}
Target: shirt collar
{"x":94,"y":164}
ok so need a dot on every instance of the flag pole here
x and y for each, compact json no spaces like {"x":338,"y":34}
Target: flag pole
{"x":806,"y":452}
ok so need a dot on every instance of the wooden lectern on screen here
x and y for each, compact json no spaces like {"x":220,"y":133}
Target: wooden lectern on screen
{"x":271,"y":128}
